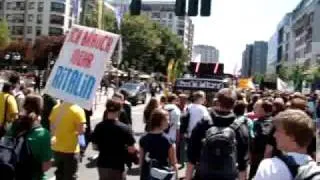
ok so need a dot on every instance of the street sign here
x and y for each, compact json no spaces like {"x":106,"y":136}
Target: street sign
{"x":80,"y":65}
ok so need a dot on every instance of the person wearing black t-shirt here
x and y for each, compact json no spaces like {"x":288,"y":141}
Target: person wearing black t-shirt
{"x":155,"y":146}
{"x":113,"y":151}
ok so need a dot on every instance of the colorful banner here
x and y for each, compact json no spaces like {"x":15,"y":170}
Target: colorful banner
{"x":80,"y":65}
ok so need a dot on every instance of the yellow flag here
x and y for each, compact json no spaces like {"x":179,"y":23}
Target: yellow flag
{"x":170,"y":70}
{"x":100,"y":13}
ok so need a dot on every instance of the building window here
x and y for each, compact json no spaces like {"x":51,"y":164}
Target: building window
{"x":1,"y":5}
{"x":32,"y":5}
{"x":58,"y":7}
{"x":180,"y":32}
{"x":17,"y":30}
{"x":30,"y":17}
{"x":170,"y":16}
{"x":20,"y":5}
{"x":9,"y":5}
{"x":70,"y":23}
{"x":55,"y":31}
{"x":39,"y":19}
{"x":18,"y":18}
{"x":9,"y":18}
{"x":56,"y":19}
{"x":40,"y":6}
{"x":38,"y":31}
{"x":29,"y":30}
{"x":155,"y":15}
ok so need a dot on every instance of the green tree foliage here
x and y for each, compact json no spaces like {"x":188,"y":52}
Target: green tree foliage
{"x":4,"y":34}
{"x":148,"y":46}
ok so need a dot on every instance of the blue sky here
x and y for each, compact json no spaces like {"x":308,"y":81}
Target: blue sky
{"x":235,"y":23}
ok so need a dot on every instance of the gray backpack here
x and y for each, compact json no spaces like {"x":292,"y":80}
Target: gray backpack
{"x":307,"y":171}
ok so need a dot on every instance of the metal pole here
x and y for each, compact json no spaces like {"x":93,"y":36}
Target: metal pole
{"x":83,"y":13}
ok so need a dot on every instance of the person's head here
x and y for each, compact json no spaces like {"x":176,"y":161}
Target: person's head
{"x":125,"y":94}
{"x":225,"y":99}
{"x":278,"y":106}
{"x":163,"y":100}
{"x":173,"y":99}
{"x":118,"y":97}
{"x":183,"y":99}
{"x":263,"y":107}
{"x":33,"y":104}
{"x":152,"y":105}
{"x":240,"y":108}
{"x":199,"y":97}
{"x":113,"y":108}
{"x":298,"y":103}
{"x":14,"y":79}
{"x":159,"y":119}
{"x":7,"y":88}
{"x":294,"y":130}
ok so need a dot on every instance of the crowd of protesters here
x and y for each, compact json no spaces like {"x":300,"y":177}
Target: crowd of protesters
{"x":259,"y":135}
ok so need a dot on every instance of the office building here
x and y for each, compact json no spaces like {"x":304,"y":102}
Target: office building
{"x":28,"y":19}
{"x":297,"y":38}
{"x":246,"y":61}
{"x":209,"y":54}
{"x":306,"y":32}
{"x":280,"y":45}
{"x":254,"y":59}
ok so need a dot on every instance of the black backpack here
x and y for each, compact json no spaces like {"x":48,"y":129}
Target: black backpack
{"x":16,"y":160}
{"x":307,"y":171}
{"x":218,"y":159}
{"x":262,"y":130}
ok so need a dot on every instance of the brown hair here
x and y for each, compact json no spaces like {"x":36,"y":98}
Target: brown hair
{"x":297,"y":124}
{"x":113,"y":106}
{"x":266,"y":105}
{"x":226,"y":98}
{"x":33,"y":104}
{"x":158,"y":116}
{"x":152,"y":105}
{"x":298,"y":103}
{"x":240,"y":108}
{"x":172,"y":97}
{"x":198,"y":95}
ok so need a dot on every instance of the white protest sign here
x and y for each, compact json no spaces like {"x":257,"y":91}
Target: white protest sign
{"x":80,"y":65}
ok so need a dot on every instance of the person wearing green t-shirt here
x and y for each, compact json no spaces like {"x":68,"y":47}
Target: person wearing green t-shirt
{"x":37,"y":137}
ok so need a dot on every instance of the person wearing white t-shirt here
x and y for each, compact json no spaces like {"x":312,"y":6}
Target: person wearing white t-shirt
{"x":294,"y":131}
{"x":174,"y":118}
{"x":197,"y":111}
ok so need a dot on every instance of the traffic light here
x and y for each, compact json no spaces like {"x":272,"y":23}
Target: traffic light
{"x":205,"y":8}
{"x":135,"y":7}
{"x":193,"y":7}
{"x":180,"y":7}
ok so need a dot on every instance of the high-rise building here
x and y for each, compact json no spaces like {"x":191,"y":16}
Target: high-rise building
{"x":297,"y":38}
{"x":254,"y":59}
{"x":306,"y":32}
{"x":28,"y":19}
{"x":209,"y":54}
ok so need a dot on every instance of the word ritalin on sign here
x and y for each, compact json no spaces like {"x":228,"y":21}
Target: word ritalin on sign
{"x":74,"y":82}
{"x":90,"y":39}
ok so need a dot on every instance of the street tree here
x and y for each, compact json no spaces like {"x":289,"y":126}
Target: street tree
{"x":4,"y":34}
